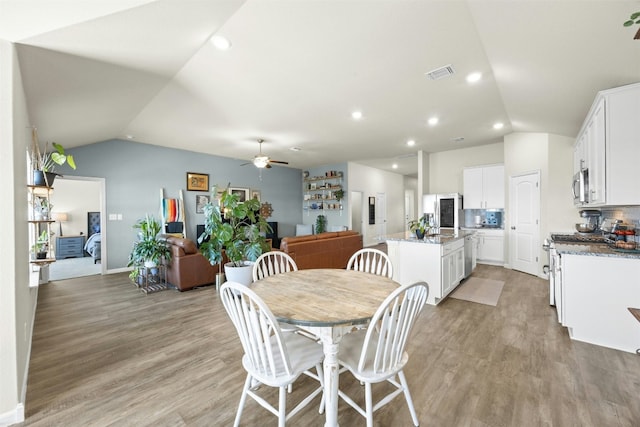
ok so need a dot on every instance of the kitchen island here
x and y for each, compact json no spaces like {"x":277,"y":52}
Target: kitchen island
{"x":437,"y":260}
{"x":597,"y":285}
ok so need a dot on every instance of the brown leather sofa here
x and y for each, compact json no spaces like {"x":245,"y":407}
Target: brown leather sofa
{"x":324,"y":250}
{"x":188,"y":267}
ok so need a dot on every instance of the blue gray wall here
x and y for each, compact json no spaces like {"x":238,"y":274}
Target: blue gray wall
{"x":135,"y":173}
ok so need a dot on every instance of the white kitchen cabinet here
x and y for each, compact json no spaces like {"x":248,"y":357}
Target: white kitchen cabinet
{"x":596,"y":292}
{"x":441,"y":266}
{"x":622,"y":147}
{"x":606,"y":143}
{"x":484,"y":187}
{"x":596,"y":156}
{"x":490,"y":247}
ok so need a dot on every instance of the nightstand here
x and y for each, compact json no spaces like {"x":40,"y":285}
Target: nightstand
{"x":69,"y":247}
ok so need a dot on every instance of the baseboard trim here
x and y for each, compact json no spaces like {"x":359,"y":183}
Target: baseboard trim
{"x":12,"y":417}
{"x":119,"y":270}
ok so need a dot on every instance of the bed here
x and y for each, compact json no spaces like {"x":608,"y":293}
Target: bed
{"x":94,"y":239}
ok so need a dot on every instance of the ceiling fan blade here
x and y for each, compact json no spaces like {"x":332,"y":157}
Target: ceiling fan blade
{"x":268,"y":166}
{"x":248,"y":163}
{"x":278,"y":161}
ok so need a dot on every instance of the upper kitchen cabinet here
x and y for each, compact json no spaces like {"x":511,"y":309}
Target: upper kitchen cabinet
{"x":606,"y":143}
{"x":484,"y":187}
{"x":589,"y":156}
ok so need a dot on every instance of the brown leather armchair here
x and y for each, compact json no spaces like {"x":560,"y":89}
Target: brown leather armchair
{"x":188,"y":267}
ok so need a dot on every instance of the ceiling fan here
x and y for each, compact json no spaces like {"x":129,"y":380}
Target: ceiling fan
{"x":262,"y":161}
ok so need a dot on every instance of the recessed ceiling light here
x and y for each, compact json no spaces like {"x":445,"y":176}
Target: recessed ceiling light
{"x":295,"y":148}
{"x":474,"y":77}
{"x":395,"y":166}
{"x":130,"y":136}
{"x":433,"y":121}
{"x":221,"y":43}
{"x":411,"y":143}
{"x":458,"y":139}
{"x":356,"y":115}
{"x":498,"y":125}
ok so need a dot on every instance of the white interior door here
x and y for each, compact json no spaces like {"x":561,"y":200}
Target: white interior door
{"x":524,"y":205}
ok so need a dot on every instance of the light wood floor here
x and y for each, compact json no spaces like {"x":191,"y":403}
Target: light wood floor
{"x":104,"y":354}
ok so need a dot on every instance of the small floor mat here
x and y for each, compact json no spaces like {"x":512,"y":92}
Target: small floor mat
{"x":477,"y":289}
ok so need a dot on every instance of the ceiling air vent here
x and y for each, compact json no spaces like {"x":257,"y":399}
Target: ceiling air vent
{"x":441,"y":73}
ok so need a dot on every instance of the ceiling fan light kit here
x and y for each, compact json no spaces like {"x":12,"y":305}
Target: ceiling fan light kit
{"x":262,"y":161}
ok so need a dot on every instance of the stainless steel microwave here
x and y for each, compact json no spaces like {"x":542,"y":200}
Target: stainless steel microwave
{"x":581,"y":187}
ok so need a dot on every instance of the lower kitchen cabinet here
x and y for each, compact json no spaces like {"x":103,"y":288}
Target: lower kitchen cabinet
{"x":440,"y":265}
{"x":596,"y":294}
{"x":490,"y":247}
{"x":69,"y":247}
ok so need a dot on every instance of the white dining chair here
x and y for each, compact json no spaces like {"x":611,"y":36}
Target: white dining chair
{"x":270,"y":357}
{"x":371,"y":260}
{"x":374,"y":355}
{"x":273,"y":262}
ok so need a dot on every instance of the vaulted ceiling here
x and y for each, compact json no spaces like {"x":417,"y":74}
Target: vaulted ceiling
{"x":296,"y":70}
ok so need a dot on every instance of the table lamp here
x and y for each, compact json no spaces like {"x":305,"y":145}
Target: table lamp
{"x":60,"y":217}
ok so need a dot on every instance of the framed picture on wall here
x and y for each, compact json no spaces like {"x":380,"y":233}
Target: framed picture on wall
{"x":201,"y":200}
{"x":243,"y":193}
{"x":255,"y":194}
{"x":197,"y":181}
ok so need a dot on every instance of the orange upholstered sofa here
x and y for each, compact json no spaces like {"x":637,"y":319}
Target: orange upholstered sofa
{"x":324,"y":250}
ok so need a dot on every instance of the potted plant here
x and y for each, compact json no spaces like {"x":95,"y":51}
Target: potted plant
{"x":41,"y":247}
{"x":321,"y":224}
{"x":420,"y":226}
{"x":149,"y":250}
{"x":234,"y":230}
{"x":43,"y":162}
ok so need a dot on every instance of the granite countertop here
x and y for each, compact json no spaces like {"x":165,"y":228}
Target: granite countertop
{"x":595,"y":249}
{"x":444,"y":237}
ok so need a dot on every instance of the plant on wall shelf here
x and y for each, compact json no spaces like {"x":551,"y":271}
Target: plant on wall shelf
{"x":338,"y":194}
{"x":633,"y":19}
{"x":41,"y":247}
{"x":43,"y":162}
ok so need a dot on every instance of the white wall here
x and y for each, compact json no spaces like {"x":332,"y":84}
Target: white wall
{"x":445,"y":168}
{"x":372,"y":181}
{"x":17,"y":299}
{"x":561,"y":214}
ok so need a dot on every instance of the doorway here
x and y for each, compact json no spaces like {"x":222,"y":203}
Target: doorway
{"x":73,"y":199}
{"x":524,"y":205}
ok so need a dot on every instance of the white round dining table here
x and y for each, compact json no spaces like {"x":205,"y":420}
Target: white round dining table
{"x":327,"y":303}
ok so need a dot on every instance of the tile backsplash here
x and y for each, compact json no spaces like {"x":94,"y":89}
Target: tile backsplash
{"x":628,"y":214}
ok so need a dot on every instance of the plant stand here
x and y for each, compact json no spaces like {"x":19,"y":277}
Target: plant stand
{"x":152,"y":279}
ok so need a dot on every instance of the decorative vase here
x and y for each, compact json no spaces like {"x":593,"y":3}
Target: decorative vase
{"x":420,"y":234}
{"x":242,"y":275}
